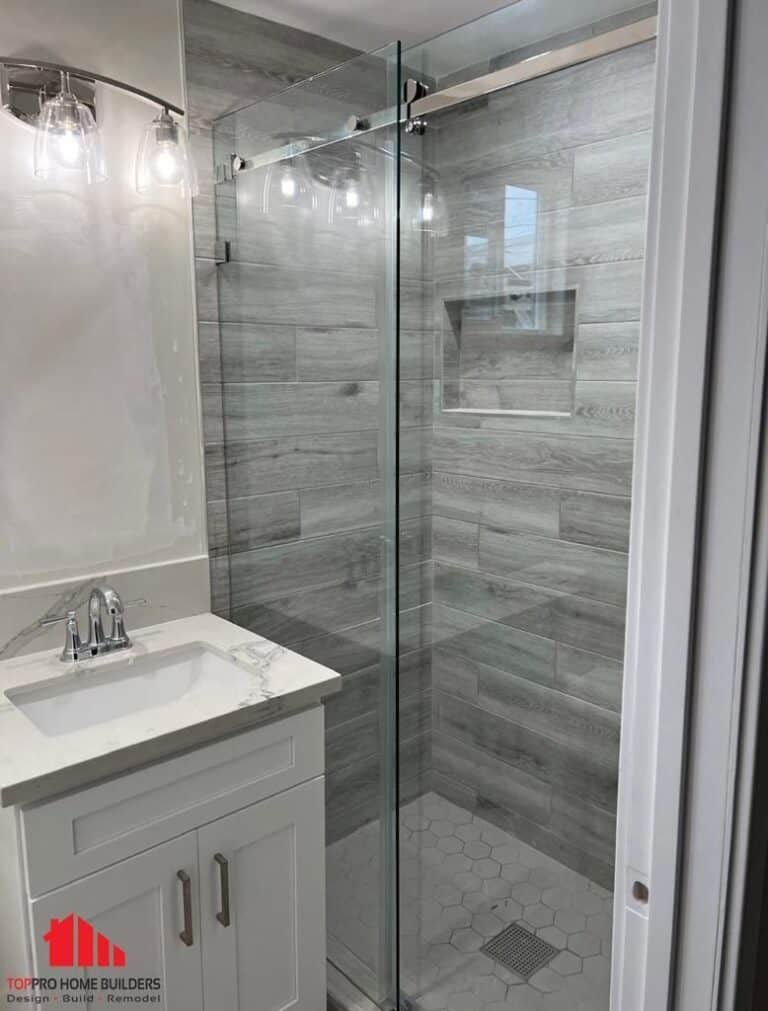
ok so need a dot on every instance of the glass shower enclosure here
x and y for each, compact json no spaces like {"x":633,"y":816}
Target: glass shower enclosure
{"x":429,"y":293}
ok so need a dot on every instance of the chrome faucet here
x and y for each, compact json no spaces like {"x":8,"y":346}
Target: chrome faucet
{"x":102,"y":598}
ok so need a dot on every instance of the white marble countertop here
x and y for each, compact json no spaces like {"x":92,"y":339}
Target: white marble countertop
{"x":35,"y":765}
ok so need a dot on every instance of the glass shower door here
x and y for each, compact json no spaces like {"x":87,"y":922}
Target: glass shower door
{"x":523,"y":221}
{"x":305,"y":510}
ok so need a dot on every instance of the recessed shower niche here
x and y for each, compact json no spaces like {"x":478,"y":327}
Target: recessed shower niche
{"x":510,"y":353}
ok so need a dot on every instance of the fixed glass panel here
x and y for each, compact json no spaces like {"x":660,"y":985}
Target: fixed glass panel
{"x":533,"y":256}
{"x":307,"y":286}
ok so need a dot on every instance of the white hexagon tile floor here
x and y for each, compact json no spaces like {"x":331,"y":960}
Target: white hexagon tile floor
{"x":462,"y":881}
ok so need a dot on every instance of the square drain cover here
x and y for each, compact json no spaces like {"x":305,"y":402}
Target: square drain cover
{"x":520,"y":951}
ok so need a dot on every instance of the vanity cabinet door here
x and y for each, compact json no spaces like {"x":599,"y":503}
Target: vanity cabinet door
{"x":262,"y":902}
{"x":128,"y":919}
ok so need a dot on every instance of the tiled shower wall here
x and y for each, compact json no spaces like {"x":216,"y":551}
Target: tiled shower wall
{"x":531,"y":512}
{"x":515,"y":711}
{"x":291,"y":358}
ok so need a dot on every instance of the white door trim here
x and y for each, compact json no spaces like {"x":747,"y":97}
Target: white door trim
{"x":683,"y":217}
{"x":728,"y":660}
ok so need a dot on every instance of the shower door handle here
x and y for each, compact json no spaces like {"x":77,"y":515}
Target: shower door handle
{"x":223,"y":915}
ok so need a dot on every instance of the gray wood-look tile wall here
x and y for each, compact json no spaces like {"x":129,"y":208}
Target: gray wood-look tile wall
{"x":531,"y":513}
{"x":290,"y":359}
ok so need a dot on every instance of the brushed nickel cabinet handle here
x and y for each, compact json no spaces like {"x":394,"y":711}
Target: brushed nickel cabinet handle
{"x":186,"y":935}
{"x":223,"y":916}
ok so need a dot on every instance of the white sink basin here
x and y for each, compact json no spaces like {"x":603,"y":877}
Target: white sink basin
{"x":104,"y":694}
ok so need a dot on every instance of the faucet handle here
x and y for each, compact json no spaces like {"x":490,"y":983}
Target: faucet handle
{"x":74,"y":648}
{"x":58,"y":619}
{"x":119,"y":635}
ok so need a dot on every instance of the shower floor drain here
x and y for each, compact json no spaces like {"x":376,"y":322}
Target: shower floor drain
{"x":520,"y":951}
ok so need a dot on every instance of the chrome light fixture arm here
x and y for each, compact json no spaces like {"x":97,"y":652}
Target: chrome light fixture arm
{"x":88,"y":76}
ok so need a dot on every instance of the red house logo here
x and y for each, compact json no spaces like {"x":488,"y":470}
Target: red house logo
{"x":75,"y":942}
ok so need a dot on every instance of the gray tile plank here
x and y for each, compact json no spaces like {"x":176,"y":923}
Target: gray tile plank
{"x":215,"y":482}
{"x":588,"y":676}
{"x":417,"y":354}
{"x":607,"y":351}
{"x":259,"y":293}
{"x":567,"y":721}
{"x":530,"y":609}
{"x":346,"y":651}
{"x":500,"y":782}
{"x":352,"y":742}
{"x":220,"y":598}
{"x":301,"y":461}
{"x":218,"y":527}
{"x":211,"y":402}
{"x":557,"y":565}
{"x":362,"y":692}
{"x":572,"y":769}
{"x":460,"y":637}
{"x":316,"y":610}
{"x":353,"y":649}
{"x":485,"y":500}
{"x":263,"y":519}
{"x":416,"y":403}
{"x":209,"y":352}
{"x":588,"y":464}
{"x":587,"y":826}
{"x":539,"y":395}
{"x":340,"y":507}
{"x":259,"y":410}
{"x":257,"y":354}
{"x":491,"y":352}
{"x":455,"y":541}
{"x":206,"y":290}
{"x":331,"y":508}
{"x":596,"y":233}
{"x":590,"y":624}
{"x":452,"y":675}
{"x":612,"y":169}
{"x":325,"y":353}
{"x":587,"y":624}
{"x":601,"y":520}
{"x":268,"y":573}
{"x":312,"y":611}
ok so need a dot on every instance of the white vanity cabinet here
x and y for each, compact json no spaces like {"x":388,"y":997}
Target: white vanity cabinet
{"x":207,"y":870}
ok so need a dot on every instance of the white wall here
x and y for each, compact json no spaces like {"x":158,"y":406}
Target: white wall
{"x":99,"y":435}
{"x":100,"y":443}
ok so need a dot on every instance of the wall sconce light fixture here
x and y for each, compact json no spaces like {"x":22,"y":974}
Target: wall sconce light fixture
{"x":60,"y":102}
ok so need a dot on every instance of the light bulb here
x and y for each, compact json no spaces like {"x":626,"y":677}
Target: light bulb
{"x":430,"y":216}
{"x":165,"y":166}
{"x":67,"y":139}
{"x":164,"y":158}
{"x":70,"y":149}
{"x":288,"y":187}
{"x":288,"y":184}
{"x":352,"y":196}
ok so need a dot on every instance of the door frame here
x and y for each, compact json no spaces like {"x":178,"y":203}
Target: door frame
{"x":676,"y":330}
{"x":715,"y":882}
